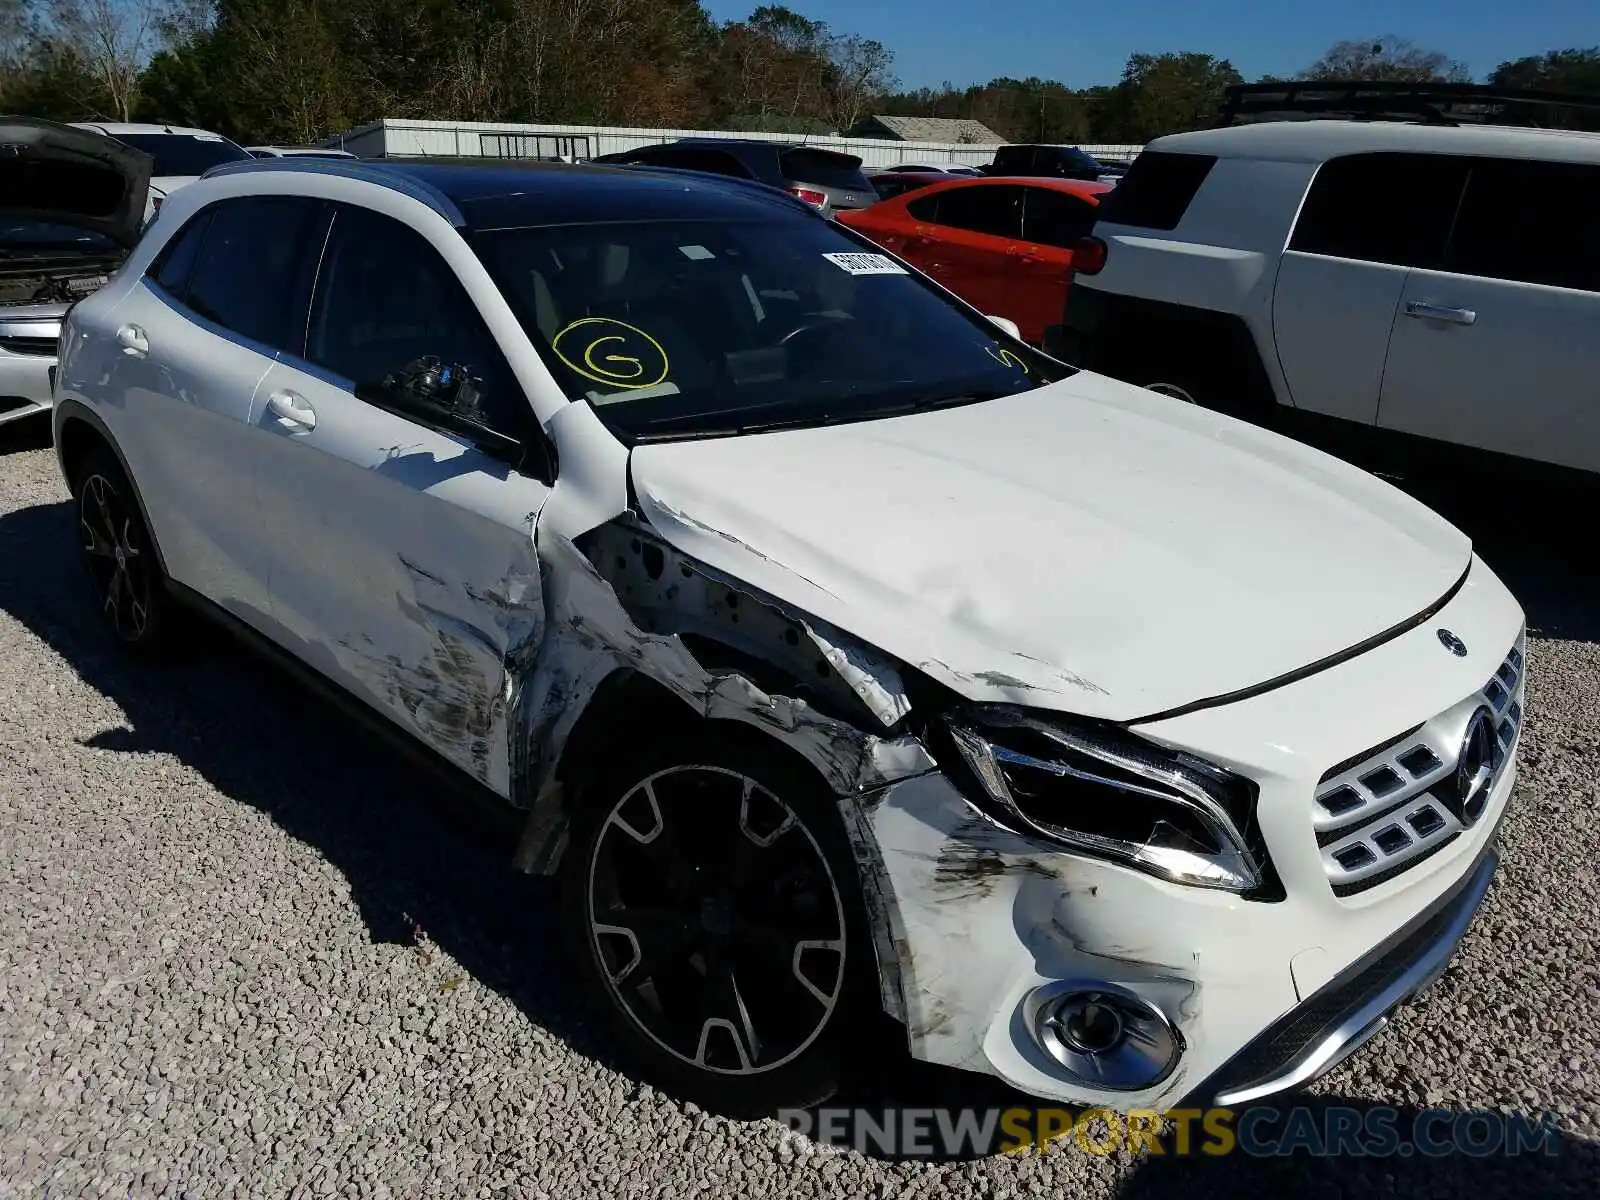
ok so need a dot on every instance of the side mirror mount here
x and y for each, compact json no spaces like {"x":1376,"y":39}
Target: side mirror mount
{"x":1010,"y":326}
{"x":445,"y":396}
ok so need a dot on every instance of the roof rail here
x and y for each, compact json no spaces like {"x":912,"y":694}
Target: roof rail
{"x":1426,"y":103}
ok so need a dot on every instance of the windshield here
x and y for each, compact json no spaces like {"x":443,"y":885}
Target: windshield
{"x":698,"y":328}
{"x":185,"y":153}
{"x":37,"y":237}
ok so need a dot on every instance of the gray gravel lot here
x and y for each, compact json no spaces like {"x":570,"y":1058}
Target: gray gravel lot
{"x":244,"y":952}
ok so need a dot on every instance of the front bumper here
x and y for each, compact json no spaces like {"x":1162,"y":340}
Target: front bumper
{"x":1337,"y":1020}
{"x":1263,"y":995}
{"x":27,"y":353}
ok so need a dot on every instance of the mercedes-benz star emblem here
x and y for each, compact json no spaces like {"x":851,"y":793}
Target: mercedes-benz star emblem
{"x":1452,"y":643}
{"x":1466,"y":794}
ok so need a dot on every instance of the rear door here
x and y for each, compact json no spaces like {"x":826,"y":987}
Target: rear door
{"x":965,"y":237}
{"x":407,"y":570}
{"x":196,"y":336}
{"x":1499,"y":348}
{"x":1367,"y":220}
{"x":1053,"y":222}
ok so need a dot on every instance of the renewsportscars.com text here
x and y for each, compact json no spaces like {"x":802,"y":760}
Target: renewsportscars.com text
{"x":1260,"y":1131}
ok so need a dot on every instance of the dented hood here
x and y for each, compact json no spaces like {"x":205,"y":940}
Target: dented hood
{"x":1088,"y":547}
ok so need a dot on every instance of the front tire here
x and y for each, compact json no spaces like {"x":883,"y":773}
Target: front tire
{"x":126,"y":583}
{"x":711,"y":902}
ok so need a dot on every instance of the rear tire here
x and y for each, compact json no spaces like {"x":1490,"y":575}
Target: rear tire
{"x":711,"y":904}
{"x":1206,"y":383}
{"x":126,"y":583}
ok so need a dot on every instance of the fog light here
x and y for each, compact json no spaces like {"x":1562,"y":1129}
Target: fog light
{"x":1109,"y":1037}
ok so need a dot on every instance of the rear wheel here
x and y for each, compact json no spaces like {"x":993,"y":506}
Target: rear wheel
{"x":126,"y":583}
{"x":714,"y":911}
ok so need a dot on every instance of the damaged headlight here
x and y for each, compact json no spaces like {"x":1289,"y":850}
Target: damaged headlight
{"x":1106,"y":793}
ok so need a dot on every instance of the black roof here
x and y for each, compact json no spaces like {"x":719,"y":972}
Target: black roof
{"x":497,"y":194}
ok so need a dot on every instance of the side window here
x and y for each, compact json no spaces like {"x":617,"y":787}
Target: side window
{"x":244,"y":276}
{"x":385,"y":298}
{"x":1383,"y":208}
{"x":716,"y":162}
{"x":1530,"y":222}
{"x":174,"y":264}
{"x":924,"y":208}
{"x":1054,"y":218}
{"x":992,"y":210}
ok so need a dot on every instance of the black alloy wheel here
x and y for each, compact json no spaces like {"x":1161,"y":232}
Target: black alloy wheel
{"x":719,"y":920}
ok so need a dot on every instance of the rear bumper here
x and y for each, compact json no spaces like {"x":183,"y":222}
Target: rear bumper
{"x":1331,"y":1024}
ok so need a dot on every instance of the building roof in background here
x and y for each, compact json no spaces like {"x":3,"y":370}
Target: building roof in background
{"x":934,"y":129}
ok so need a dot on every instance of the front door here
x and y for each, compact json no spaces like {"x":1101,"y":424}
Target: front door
{"x":408,"y":571}
{"x":1500,"y":349}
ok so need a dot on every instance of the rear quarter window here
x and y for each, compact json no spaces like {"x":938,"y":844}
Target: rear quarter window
{"x":1157,"y":190}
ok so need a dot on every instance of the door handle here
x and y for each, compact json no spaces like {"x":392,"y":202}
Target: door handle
{"x":133,"y":342}
{"x":1438,"y":312}
{"x":291,"y":408}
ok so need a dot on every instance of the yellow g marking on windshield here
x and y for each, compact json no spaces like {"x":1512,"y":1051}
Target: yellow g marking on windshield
{"x":588,"y":357}
{"x":1005,"y":358}
{"x":611,"y":352}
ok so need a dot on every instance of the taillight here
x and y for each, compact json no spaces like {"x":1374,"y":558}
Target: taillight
{"x":812,"y":197}
{"x":1088,"y":256}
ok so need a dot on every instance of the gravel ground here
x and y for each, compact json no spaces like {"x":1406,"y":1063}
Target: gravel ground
{"x":245,"y":953}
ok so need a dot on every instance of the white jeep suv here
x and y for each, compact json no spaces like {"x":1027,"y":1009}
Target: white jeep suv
{"x":842,"y":652}
{"x":1425,"y":280}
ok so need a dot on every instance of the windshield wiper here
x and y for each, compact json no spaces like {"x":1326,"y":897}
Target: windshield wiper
{"x":813,"y":418}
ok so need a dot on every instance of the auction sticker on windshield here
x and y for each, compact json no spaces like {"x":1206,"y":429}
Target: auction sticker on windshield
{"x":865,"y":264}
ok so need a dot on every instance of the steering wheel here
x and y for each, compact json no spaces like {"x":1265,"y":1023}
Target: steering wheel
{"x":802,"y":330}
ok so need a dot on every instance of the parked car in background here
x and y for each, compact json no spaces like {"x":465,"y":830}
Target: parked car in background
{"x":947,"y":169}
{"x":180,"y":155}
{"x":1005,"y":246}
{"x":843,"y":655}
{"x":296,"y":152}
{"x":1056,"y":162}
{"x":71,"y":204}
{"x":889,"y":184}
{"x":1423,"y":280}
{"x":829,"y":181}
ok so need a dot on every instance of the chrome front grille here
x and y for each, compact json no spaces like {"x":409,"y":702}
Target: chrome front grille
{"x":1389,"y":808}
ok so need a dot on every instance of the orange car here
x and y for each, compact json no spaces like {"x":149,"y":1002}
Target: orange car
{"x":1003,"y":245}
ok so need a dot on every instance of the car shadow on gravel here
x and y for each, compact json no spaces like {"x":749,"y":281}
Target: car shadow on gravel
{"x":424,"y":865}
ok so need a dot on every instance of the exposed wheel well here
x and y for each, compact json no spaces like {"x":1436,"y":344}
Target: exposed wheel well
{"x":78,"y":439}
{"x":1151,"y":341}
{"x":630,"y":705}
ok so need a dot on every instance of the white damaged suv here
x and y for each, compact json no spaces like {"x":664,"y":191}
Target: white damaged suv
{"x":843,"y":652}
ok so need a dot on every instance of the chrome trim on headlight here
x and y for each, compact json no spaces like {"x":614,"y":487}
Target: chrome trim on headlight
{"x":1167,"y":777}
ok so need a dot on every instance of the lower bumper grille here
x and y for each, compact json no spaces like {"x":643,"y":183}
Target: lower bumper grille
{"x":44,"y":347}
{"x":1385,"y":811}
{"x":1336,"y":1020}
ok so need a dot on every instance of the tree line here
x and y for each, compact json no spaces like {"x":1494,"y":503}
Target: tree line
{"x":295,"y":71}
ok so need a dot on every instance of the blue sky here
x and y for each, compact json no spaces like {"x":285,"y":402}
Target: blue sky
{"x":970,"y":41}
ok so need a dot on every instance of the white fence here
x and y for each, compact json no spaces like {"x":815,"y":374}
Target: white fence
{"x":481,"y":139}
